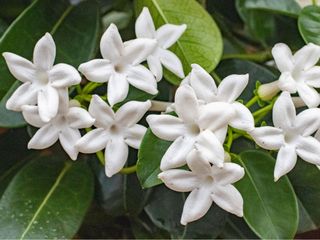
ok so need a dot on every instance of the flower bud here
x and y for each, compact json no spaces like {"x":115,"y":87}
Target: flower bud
{"x":268,"y":91}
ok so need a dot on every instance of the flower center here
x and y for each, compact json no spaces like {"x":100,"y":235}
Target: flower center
{"x":290,"y":137}
{"x":208,"y":180}
{"x":42,"y":78}
{"x":119,"y":68}
{"x":193,"y":129}
{"x":114,"y":129}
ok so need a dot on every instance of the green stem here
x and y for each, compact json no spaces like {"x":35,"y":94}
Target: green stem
{"x":215,"y":76}
{"x":263,"y":110}
{"x":129,"y":170}
{"x":252,"y":101}
{"x":314,"y":2}
{"x":230,"y":139}
{"x":256,"y":57}
{"x":90,"y":87}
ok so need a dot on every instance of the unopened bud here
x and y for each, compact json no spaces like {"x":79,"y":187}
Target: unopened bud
{"x":268,"y":91}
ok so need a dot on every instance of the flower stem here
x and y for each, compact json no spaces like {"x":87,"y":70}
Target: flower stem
{"x":256,"y":57}
{"x":230,"y":139}
{"x":90,"y":87}
{"x":263,"y":110}
{"x":252,"y":101}
{"x":129,"y":170}
{"x":215,"y":76}
{"x":314,"y":2}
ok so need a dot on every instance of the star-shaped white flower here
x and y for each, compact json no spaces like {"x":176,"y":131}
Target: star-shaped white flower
{"x":121,"y":66}
{"x":114,"y":132}
{"x":165,"y":36}
{"x":41,"y":80}
{"x":191,"y":129}
{"x":291,"y":135}
{"x":64,"y":126}
{"x":227,"y":92}
{"x":298,"y":73}
{"x":207,"y":184}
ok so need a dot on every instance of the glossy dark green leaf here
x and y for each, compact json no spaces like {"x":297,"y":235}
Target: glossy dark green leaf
{"x":150,"y":154}
{"x":72,"y":27}
{"x":309,"y":24}
{"x":270,"y":208}
{"x":237,"y":228}
{"x":305,"y":179}
{"x":201,"y":43}
{"x":47,"y":199}
{"x":165,"y":209}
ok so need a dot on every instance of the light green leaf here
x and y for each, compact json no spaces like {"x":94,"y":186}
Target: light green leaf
{"x":270,"y":208}
{"x":47,"y":199}
{"x":309,"y":24}
{"x":201,"y":43}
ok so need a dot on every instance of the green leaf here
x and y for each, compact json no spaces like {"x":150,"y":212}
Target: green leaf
{"x":150,"y":154}
{"x":165,"y":209}
{"x":236,"y":228}
{"x":47,"y":199}
{"x":201,"y":43}
{"x":73,"y":27}
{"x":270,"y":208}
{"x":305,"y":179}
{"x":309,"y":24}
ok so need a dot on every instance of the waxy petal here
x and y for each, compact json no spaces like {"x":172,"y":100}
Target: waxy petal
{"x":144,"y":26}
{"x":44,"y":137}
{"x":141,"y":78}
{"x":171,"y":62}
{"x":312,"y":77}
{"x":308,"y":148}
{"x":134,"y":135}
{"x":230,"y":173}
{"x":309,"y":95}
{"x":307,"y":56}
{"x":118,"y":88}
{"x":197,"y":164}
{"x":25,"y":94}
{"x":31,"y":115}
{"x":286,"y":160}
{"x":116,"y":155}
{"x":68,"y":139}
{"x":232,"y":86}
{"x":186,"y":104}
{"x":63,"y":75}
{"x":243,"y":118}
{"x":287,"y":83}
{"x":97,"y":70}
{"x":168,"y":34}
{"x":166,"y":127}
{"x":308,"y":121}
{"x":131,"y":112}
{"x":93,"y":141}
{"x":155,"y":67}
{"x":270,"y":138}
{"x":179,"y":180}
{"x":283,"y":57}
{"x":21,"y":68}
{"x":228,"y":198}
{"x":111,"y":45}
{"x":284,"y":112}
{"x":48,"y":103}
{"x":102,"y":113}
{"x":137,"y":50}
{"x":79,"y":118}
{"x":44,"y":53}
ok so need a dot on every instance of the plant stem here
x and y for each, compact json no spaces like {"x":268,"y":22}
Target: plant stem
{"x":230,"y":139}
{"x":256,"y":57}
{"x":90,"y":87}
{"x":215,"y":76}
{"x":263,"y":110}
{"x":129,"y":170}
{"x":314,"y":2}
{"x":252,"y":101}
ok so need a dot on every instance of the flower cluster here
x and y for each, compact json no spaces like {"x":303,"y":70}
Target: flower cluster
{"x":196,"y":123}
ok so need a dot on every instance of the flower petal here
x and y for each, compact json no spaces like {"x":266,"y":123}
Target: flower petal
{"x":137,"y":50}
{"x":312,"y":77}
{"x":228,"y":198}
{"x":287,"y":83}
{"x":63,"y":75}
{"x":141,"y":78}
{"x":202,"y":83}
{"x":176,"y":154}
{"x":21,"y":68}
{"x":25,"y":94}
{"x":168,"y":34}
{"x":166,"y":127}
{"x":309,"y":95}
{"x":44,"y":137}
{"x":131,"y":112}
{"x":31,"y":115}
{"x":196,"y":205}
{"x":286,"y":160}
{"x":144,"y":25}
{"x":102,"y":113}
{"x":210,"y":148}
{"x":283,"y":57}
{"x":48,"y":103}
{"x":270,"y":138}
{"x":111,"y":45}
{"x":198,"y":164}
{"x":116,"y":155}
{"x":232,"y":86}
{"x":44,"y":52}
{"x":93,"y":141}
{"x":243,"y":118}
{"x":230,"y":173}
{"x":308,"y":121}
{"x":155,"y":67}
{"x":284,"y":112}
{"x":68,"y":139}
{"x":79,"y":118}
{"x":179,"y":180}
{"x":171,"y":62}
{"x":97,"y":70}
{"x":221,"y":133}
{"x":186,"y":104}
{"x":307,"y":56}
{"x":134,"y":135}
{"x":118,"y":88}
{"x":308,"y":148}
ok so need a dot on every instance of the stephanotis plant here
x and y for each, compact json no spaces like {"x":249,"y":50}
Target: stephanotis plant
{"x":232,"y":145}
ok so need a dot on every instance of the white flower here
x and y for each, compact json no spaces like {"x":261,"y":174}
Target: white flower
{"x":114,"y":132}
{"x":298,"y":73}
{"x":64,"y":126}
{"x":291,"y":135}
{"x":191,"y":129}
{"x":42,"y":80}
{"x":207,"y":184}
{"x":227,"y":92}
{"x":121,"y":65}
{"x":165,"y":36}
